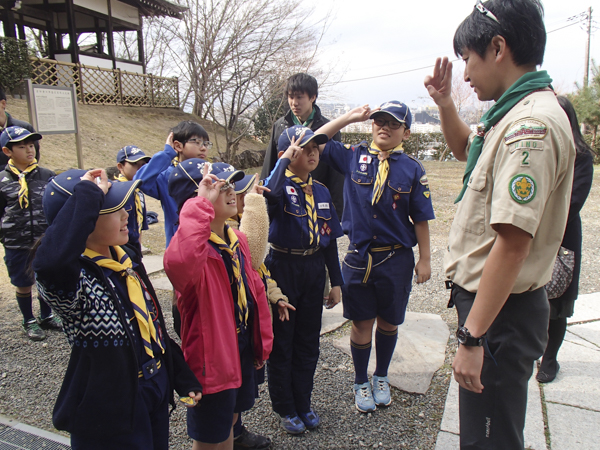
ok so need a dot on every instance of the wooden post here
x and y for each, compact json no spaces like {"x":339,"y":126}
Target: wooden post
{"x":177,"y":88}
{"x":77,"y":136}
{"x":151,"y":90}
{"x":81,"y":93}
{"x":120,"y":86}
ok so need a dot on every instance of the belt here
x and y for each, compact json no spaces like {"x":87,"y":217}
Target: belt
{"x":296,"y":251}
{"x":387,"y":248}
{"x":149,"y":369}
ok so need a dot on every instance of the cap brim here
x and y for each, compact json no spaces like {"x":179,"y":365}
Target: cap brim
{"x":231,"y":177}
{"x":133,"y":159}
{"x":118,"y":195}
{"x":34,"y":136}
{"x":318,"y":138}
{"x":244,"y":184}
{"x":389,"y":114}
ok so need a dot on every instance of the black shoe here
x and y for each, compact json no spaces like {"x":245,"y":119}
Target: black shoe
{"x":546,"y":376}
{"x":50,"y":323}
{"x":250,"y":440}
{"x":33,"y":330}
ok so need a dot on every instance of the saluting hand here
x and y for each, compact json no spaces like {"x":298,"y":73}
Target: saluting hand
{"x":439,"y":85}
{"x":98,"y":177}
{"x":210,"y":186}
{"x":257,"y":188}
{"x":360,"y":114}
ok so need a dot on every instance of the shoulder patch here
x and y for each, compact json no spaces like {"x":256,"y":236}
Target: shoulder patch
{"x":522,"y":188}
{"x":348,"y":146}
{"x":526,"y":129}
{"x":424,"y":181}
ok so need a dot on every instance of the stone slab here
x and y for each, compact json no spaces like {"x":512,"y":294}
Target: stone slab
{"x":420,"y":352}
{"x":153,"y":263}
{"x":162,"y":283}
{"x":590,"y":331}
{"x":572,"y":428}
{"x":587,"y":307}
{"x":575,"y":339}
{"x":534,"y":421}
{"x":332,"y":319}
{"x":447,"y":441}
{"x":578,"y":381}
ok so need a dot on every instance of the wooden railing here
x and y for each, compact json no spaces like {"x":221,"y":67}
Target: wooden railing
{"x":98,"y":86}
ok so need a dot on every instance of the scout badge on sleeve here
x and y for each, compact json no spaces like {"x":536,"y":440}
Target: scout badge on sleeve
{"x":526,"y":129}
{"x":522,"y":188}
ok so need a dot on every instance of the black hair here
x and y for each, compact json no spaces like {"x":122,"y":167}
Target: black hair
{"x":521,"y":24}
{"x":302,"y":83}
{"x":2,"y":94}
{"x":9,"y":145}
{"x":187,"y":129}
{"x":580,"y":145}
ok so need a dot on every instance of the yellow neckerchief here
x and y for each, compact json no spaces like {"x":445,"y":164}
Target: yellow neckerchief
{"x":139,"y":211}
{"x":313,"y":226}
{"x":23,"y":188}
{"x":136,"y":294}
{"x":233,"y":250}
{"x":384,"y":168}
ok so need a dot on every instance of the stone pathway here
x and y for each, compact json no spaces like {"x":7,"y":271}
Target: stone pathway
{"x":572,"y":400}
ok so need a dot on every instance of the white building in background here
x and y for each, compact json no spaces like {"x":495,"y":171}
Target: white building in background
{"x":425,"y":128}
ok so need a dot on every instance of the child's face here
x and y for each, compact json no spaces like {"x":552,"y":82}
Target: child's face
{"x":192,"y":148}
{"x":301,"y":104}
{"x":384,"y":136}
{"x":111,"y":229}
{"x":226,"y":205}
{"x":308,"y":159}
{"x":129,"y":169}
{"x":22,"y":153}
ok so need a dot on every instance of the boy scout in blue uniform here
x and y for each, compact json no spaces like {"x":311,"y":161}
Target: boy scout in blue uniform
{"x":303,"y":233}
{"x":388,"y":204}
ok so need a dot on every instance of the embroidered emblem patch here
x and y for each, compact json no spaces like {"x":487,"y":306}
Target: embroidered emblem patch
{"x":394,"y":206}
{"x":363,"y":167}
{"x":426,"y":194}
{"x":347,"y":146}
{"x":323,"y":205}
{"x":396,"y":196}
{"x":294,"y":199}
{"x":424,"y":181}
{"x":325,"y":229}
{"x":291,"y":190}
{"x":526,"y":129}
{"x":365,"y":159}
{"x":522,"y":188}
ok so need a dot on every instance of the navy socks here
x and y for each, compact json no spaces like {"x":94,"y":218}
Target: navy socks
{"x":24,"y":301}
{"x":360,"y":358}
{"x":385,"y":343}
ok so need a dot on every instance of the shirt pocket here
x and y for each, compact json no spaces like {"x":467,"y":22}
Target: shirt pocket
{"x":324,"y":213}
{"x":361,"y":178}
{"x":294,"y":210}
{"x":471,"y":212}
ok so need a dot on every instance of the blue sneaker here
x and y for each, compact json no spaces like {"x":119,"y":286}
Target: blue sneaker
{"x":363,"y":398}
{"x":311,"y":419}
{"x":292,"y":424}
{"x":381,"y":391}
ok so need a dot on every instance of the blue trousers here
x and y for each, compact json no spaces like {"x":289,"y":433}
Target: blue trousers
{"x":295,"y":353}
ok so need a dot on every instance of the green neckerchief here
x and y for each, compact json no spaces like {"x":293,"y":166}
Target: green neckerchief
{"x":531,"y":81}
{"x":308,"y":121}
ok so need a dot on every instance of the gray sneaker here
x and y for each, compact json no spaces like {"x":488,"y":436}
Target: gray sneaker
{"x":33,"y":330}
{"x":50,"y":323}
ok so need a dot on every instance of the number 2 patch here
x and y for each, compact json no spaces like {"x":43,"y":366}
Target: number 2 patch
{"x":525,"y":158}
{"x":522,"y":188}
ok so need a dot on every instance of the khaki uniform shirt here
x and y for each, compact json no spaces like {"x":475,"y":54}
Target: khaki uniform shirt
{"x":523,"y":178}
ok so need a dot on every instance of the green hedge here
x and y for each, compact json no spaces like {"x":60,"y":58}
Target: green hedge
{"x":14,"y":62}
{"x":415,"y":145}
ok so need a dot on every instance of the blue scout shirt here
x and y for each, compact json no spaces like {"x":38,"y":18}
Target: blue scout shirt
{"x":405,"y":198}
{"x":289,"y":219}
{"x":132,"y":223}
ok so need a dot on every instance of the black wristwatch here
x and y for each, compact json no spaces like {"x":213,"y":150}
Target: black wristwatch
{"x":465,"y":338}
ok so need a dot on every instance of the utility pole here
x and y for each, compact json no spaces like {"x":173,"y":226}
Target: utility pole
{"x":587,"y":47}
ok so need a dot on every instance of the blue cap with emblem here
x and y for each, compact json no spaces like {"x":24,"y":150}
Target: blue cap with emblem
{"x":131,"y":154}
{"x":17,"y":134}
{"x":285,"y":140}
{"x":62,"y":186}
{"x":397,"y":110}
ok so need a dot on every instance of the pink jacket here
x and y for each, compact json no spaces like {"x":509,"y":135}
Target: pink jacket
{"x":208,"y":328}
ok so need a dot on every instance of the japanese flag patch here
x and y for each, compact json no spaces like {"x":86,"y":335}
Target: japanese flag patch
{"x":291,"y":190}
{"x":365,"y":159}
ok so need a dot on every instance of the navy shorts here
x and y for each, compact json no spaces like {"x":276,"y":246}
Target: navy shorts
{"x":381,"y":291}
{"x":16,"y":261}
{"x":211,"y":420}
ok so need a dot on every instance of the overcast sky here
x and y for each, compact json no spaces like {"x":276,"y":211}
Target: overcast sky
{"x":368,"y":38}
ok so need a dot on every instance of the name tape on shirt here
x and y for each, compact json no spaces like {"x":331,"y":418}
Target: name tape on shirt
{"x":526,"y":129}
{"x":291,"y":190}
{"x":323,"y":205}
{"x":365,"y":159}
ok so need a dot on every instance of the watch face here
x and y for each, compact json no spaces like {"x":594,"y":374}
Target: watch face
{"x":461,"y":335}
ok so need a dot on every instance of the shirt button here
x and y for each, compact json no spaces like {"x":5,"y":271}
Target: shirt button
{"x":374,"y":216}
{"x":374,"y":237}
{"x":359,"y":180}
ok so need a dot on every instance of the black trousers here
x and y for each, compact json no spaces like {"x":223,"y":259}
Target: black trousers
{"x":495,"y":418}
{"x":295,"y":353}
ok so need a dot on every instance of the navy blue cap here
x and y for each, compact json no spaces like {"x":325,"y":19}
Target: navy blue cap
{"x":131,"y":154}
{"x":17,"y":134}
{"x":62,"y":186}
{"x":285,"y":140}
{"x":227,"y":172}
{"x":397,"y":110}
{"x":244,"y":184}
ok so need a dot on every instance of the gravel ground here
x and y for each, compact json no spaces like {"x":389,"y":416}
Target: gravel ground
{"x":31,"y":372}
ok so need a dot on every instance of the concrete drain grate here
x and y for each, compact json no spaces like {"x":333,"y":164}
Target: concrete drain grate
{"x":14,"y":439}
